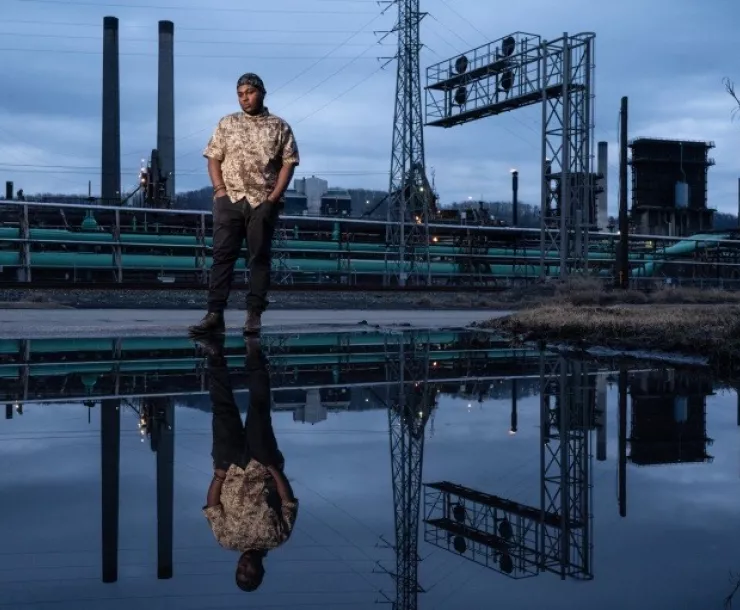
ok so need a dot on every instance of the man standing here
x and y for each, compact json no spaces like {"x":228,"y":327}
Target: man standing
{"x":251,"y":159}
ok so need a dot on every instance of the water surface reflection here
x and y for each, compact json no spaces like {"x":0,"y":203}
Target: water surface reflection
{"x":424,"y":465}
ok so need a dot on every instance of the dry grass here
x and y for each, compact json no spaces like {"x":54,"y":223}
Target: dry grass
{"x":589,"y":291}
{"x":711,"y":331}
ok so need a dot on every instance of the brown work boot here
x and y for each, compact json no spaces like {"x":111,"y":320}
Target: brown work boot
{"x":212,"y":322}
{"x":253,"y":325}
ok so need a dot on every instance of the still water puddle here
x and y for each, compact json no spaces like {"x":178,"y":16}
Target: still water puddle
{"x":430,"y":469}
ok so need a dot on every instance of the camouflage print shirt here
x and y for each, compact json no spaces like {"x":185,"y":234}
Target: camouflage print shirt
{"x":252,"y":150}
{"x":251,"y":514}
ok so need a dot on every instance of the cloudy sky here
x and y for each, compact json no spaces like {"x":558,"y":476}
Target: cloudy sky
{"x":320,"y":62}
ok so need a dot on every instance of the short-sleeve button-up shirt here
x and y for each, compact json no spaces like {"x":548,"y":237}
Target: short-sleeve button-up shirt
{"x":250,"y":514}
{"x":252,"y":150}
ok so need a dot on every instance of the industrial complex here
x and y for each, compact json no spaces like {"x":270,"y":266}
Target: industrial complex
{"x":326,"y":238}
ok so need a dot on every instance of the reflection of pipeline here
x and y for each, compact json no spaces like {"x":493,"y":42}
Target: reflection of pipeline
{"x":110,"y":449}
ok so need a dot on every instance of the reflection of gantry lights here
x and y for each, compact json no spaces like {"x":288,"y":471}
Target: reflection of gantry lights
{"x":519,"y":540}
{"x":410,"y":403}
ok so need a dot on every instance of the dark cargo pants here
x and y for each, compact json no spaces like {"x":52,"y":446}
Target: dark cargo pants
{"x":234,"y":442}
{"x":232,"y":223}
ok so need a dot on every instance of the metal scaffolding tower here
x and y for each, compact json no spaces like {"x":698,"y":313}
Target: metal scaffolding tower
{"x":410,"y":401}
{"x":407,"y":235}
{"x":521,"y":70}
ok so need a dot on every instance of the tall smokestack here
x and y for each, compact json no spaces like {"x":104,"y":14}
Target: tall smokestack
{"x":166,"y":106}
{"x":602,"y":199}
{"x":110,"y":178}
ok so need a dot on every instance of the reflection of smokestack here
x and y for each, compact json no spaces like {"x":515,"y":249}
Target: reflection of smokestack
{"x":110,"y":454}
{"x":165,"y":489}
{"x":622,"y":468}
{"x":166,"y":106}
{"x":110,"y":178}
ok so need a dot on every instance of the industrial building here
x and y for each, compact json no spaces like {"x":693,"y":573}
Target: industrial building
{"x":336,"y":202}
{"x":669,"y":187}
{"x":312,"y":189}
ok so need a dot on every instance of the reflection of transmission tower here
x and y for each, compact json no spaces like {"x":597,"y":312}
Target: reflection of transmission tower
{"x":410,"y":401}
{"x":407,"y":234}
{"x":519,"y":540}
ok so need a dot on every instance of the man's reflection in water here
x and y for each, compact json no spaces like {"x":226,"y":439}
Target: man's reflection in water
{"x":250,"y":505}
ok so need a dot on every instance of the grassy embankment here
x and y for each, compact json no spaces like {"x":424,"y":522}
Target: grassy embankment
{"x":689,"y":322}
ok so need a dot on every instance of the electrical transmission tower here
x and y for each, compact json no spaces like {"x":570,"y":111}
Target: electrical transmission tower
{"x":407,"y":233}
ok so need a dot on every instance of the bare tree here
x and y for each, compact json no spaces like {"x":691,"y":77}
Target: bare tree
{"x":735,"y":579}
{"x":730,"y":88}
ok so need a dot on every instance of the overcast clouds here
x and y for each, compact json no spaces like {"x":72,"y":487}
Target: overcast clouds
{"x":669,"y":59}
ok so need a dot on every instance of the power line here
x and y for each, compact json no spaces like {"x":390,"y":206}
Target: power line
{"x":188,"y":154}
{"x":179,"y":28}
{"x":342,"y":95}
{"x":181,"y":55}
{"x":317,"y":85}
{"x":203,"y":9}
{"x":72,"y":169}
{"x":180,"y":41}
{"x":302,"y":72}
{"x":465,"y":19}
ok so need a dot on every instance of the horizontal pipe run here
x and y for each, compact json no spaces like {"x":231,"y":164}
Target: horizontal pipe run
{"x":148,"y":262}
{"x":380,"y":224}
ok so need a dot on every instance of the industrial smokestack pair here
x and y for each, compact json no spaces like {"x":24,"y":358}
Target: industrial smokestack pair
{"x":110,"y":179}
{"x":111,"y":195}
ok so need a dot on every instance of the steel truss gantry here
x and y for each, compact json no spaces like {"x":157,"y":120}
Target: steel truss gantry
{"x":409,"y":194}
{"x":517,"y":71}
{"x":411,"y":401}
{"x":519,"y":540}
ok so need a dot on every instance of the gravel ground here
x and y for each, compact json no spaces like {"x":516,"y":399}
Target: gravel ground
{"x":180,"y":299}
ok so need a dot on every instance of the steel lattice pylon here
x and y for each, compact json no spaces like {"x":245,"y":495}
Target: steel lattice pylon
{"x":407,"y":235}
{"x":410,"y":402}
